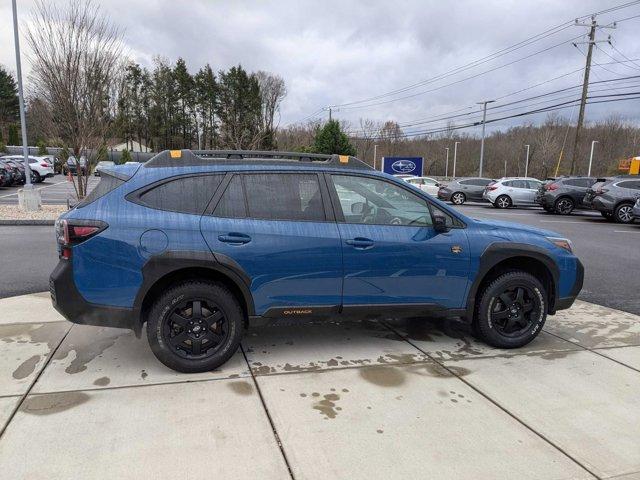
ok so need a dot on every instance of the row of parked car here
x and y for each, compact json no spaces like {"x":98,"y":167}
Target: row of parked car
{"x":12,"y":171}
{"x":616,"y":198}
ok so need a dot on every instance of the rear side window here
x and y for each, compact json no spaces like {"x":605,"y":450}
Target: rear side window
{"x":232,"y":204}
{"x":633,"y":184}
{"x":183,"y":194}
{"x":284,"y":196}
{"x":106,"y":184}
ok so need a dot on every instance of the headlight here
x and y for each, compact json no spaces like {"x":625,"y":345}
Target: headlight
{"x":562,"y":243}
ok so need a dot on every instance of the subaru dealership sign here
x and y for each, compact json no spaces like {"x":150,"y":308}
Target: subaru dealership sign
{"x":402,"y":165}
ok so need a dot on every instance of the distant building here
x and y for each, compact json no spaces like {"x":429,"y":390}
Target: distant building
{"x":118,"y":145}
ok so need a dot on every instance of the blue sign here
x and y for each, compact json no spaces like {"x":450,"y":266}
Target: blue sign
{"x":402,"y":165}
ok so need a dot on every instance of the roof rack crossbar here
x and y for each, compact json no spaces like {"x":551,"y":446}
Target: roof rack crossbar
{"x":242,"y":154}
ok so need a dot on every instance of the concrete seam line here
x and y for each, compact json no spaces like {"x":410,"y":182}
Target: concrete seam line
{"x":593,"y":350}
{"x":24,"y":396}
{"x":23,"y":223}
{"x":266,"y":411}
{"x":504,"y":409}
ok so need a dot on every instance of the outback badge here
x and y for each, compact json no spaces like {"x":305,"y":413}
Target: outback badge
{"x":456,"y":249}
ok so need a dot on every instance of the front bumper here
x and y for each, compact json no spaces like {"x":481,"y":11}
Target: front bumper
{"x":71,"y":304}
{"x":444,"y":195}
{"x":562,"y":303}
{"x":636,"y":211}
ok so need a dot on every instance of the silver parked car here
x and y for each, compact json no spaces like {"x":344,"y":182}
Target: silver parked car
{"x":463,"y":190}
{"x":512,"y":192}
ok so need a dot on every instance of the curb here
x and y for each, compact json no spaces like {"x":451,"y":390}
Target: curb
{"x":27,"y":222}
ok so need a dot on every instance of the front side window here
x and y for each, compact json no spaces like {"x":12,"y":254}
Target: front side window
{"x":284,"y":196}
{"x":378,"y":202}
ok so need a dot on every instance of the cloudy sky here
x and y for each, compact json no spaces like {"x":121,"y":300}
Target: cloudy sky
{"x":340,"y":52}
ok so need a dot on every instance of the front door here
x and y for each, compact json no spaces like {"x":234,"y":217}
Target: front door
{"x":279,"y":229}
{"x":392,"y":255}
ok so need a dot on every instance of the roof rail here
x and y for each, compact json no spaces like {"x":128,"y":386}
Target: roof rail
{"x":188,"y":158}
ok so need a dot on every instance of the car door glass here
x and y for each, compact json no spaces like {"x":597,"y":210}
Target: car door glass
{"x":378,"y":202}
{"x":533,"y":185}
{"x":232,"y":204}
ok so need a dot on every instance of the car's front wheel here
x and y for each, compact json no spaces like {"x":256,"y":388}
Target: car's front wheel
{"x":511,"y":310}
{"x":195,"y":326}
{"x":503,"y":201}
{"x":458,"y":198}
{"x":623,"y":213}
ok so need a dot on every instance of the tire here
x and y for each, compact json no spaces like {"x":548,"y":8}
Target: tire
{"x":458,"y":198}
{"x":39,"y":179}
{"x":564,"y":206}
{"x":511,"y":310}
{"x":548,"y":209}
{"x":623,"y":213}
{"x":187,"y":342}
{"x":503,"y":201}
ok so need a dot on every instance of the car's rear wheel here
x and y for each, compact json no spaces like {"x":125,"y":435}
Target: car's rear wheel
{"x":511,"y":310}
{"x":458,"y":198}
{"x":503,"y":201}
{"x":195,"y":326}
{"x":623,"y":213}
{"x":564,"y":206}
{"x":37,"y":177}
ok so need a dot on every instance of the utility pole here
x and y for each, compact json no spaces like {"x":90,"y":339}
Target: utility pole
{"x":585,"y":82}
{"x":30,"y":197}
{"x":505,"y":166}
{"x":484,"y":118}
{"x":446,"y":165}
{"x":455,"y":156}
{"x":591,"y":157}
{"x":526,"y":162}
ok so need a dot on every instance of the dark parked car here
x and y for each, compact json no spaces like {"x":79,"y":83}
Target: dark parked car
{"x":6,"y":179}
{"x":196,"y":247}
{"x":636,"y":210}
{"x":20,"y":168}
{"x":564,"y":194}
{"x":16,"y":177}
{"x":71,"y":165}
{"x":461,"y":190}
{"x":614,"y":198}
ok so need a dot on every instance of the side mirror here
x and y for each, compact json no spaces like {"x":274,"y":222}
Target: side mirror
{"x":358,"y":208}
{"x":440,"y":224}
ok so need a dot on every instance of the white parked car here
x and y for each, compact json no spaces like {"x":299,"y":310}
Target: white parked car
{"x":102,"y":164}
{"x":426,"y":184}
{"x":512,"y":192}
{"x":39,"y":166}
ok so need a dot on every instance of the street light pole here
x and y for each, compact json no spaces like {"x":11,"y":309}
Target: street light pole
{"x":526,"y":163}
{"x":446,"y":165}
{"x":375,"y":155}
{"x":484,"y":118}
{"x":593,"y":143}
{"x":455,"y":157}
{"x":23,"y":123}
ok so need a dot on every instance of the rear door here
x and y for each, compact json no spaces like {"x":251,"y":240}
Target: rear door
{"x":392,"y":254}
{"x":279,"y":229}
{"x":531,"y":190}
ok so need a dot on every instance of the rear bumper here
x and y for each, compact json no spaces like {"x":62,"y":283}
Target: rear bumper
{"x":600,"y":204}
{"x":444,"y":195}
{"x":71,"y":304}
{"x":563,"y":303}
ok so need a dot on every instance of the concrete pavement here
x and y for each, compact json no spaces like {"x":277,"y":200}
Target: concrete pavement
{"x":393,"y":399}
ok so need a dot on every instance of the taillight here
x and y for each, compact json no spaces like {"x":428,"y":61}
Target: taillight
{"x":74,"y":232}
{"x":552,"y":186}
{"x":45,"y":165}
{"x":491,"y":187}
{"x":601,"y":190}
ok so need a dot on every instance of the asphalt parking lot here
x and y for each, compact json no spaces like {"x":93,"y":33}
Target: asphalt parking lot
{"x":362,"y":400}
{"x":57,"y":190}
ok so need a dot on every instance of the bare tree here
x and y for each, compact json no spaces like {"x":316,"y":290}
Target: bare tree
{"x":75,"y":59}
{"x":272,"y":92}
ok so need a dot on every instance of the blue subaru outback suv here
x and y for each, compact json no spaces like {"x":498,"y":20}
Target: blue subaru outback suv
{"x":197,"y":244}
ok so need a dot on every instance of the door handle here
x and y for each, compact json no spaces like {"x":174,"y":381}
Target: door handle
{"x":360,"y":243}
{"x":235,"y":238}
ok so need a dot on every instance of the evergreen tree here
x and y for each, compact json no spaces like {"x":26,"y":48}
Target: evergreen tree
{"x":9,"y":106}
{"x":331,"y":139}
{"x":206,"y":98}
{"x":125,"y":157}
{"x":184,"y":85}
{"x":102,"y":154}
{"x":13,"y":139}
{"x":42,"y":147}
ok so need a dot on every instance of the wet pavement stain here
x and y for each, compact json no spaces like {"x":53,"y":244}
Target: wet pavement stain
{"x":102,"y":381}
{"x":36,"y":334}
{"x":241,"y":387}
{"x":26,"y":368}
{"x":143,"y":374}
{"x":86,"y":353}
{"x":327,"y":406}
{"x":383,"y":376}
{"x":53,"y":403}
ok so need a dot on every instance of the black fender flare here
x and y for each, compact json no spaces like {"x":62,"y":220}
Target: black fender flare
{"x":498,"y":252}
{"x":165,"y":263}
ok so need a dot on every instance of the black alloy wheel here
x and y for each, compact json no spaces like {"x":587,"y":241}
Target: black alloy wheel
{"x":564,"y":206}
{"x":514,"y":310}
{"x":195,"y":328}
